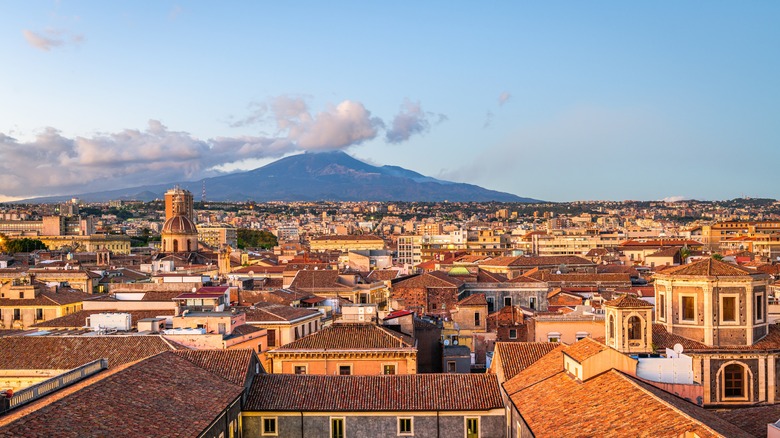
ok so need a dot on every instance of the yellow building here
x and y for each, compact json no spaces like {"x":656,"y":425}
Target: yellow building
{"x":117,"y":244}
{"x":218,"y":235}
{"x":345,"y":243}
{"x":347,"y":349}
{"x":26,"y":302}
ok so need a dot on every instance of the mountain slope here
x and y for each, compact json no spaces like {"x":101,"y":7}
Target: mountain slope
{"x":325,"y":176}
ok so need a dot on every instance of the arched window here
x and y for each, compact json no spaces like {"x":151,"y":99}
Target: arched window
{"x":734,"y":381}
{"x":611,"y":326}
{"x":189,"y":245}
{"x":634,"y":328}
{"x":175,"y":245}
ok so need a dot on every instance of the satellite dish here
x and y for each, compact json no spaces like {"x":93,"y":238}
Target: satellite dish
{"x":678,"y":348}
{"x":194,"y":289}
{"x":455,"y":342}
{"x":446,"y":342}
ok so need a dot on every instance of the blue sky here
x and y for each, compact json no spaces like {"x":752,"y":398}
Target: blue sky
{"x":558,"y":101}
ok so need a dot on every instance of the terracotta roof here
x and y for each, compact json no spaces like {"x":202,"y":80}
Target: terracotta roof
{"x":349,"y":336}
{"x":524,"y":279}
{"x":560,"y":298}
{"x":231,"y":365}
{"x":666,"y":252}
{"x":612,"y":404}
{"x":627,"y":301}
{"x":484,"y":276}
{"x":245,"y":329}
{"x":584,"y":349}
{"x":474,"y":300}
{"x":525,"y":261}
{"x":270,"y":312}
{"x":160,"y":295}
{"x":319,"y":279}
{"x":163,"y":395}
{"x":68,"y":352}
{"x":709,"y":267}
{"x":517,"y":356}
{"x":544,"y":367}
{"x":429,"y":279}
{"x":383,"y":274}
{"x":79,"y":319}
{"x":752,"y":420}
{"x":410,"y":392}
{"x":580,"y":277}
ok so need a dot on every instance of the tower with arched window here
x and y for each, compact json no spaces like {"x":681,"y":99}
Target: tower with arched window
{"x":629,"y":325}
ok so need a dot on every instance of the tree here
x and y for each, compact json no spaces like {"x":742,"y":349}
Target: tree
{"x":255,"y":239}
{"x":717,"y":256}
{"x":21,"y":245}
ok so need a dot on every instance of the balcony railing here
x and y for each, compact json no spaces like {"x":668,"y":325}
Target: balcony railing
{"x":39,"y":390}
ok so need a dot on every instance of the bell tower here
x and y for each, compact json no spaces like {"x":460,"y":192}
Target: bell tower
{"x":629,"y":323}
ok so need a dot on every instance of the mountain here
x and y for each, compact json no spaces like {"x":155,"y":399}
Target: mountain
{"x":323,"y":176}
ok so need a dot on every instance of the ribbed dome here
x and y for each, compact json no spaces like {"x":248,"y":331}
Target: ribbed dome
{"x":179,"y":224}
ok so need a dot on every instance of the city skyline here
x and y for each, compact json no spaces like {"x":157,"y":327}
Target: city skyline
{"x":556,"y":103}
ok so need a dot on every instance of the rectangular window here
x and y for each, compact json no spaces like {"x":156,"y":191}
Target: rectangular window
{"x":17,"y":314}
{"x":297,"y":334}
{"x":388,"y":369}
{"x":476,"y":319}
{"x":728,"y":309}
{"x":336,"y":428}
{"x":451,"y":366}
{"x":688,"y":308}
{"x":39,"y":314}
{"x":507,"y":301}
{"x":345,"y":370}
{"x":269,"y":427}
{"x":299,"y":369}
{"x":532,"y":303}
{"x":759,"y":300}
{"x":491,"y":304}
{"x":221,"y":328}
{"x":21,"y":295}
{"x":271,"y":337}
{"x":472,"y":427}
{"x":661,"y":306}
{"x":512,"y":333}
{"x":405,"y":426}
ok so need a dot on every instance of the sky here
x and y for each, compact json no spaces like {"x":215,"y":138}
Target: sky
{"x":560,"y":101}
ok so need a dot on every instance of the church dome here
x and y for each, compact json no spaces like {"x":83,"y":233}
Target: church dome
{"x":179,"y":224}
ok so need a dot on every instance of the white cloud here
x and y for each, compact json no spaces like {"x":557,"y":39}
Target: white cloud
{"x":410,"y":120}
{"x":51,"y":38}
{"x":349,"y":123}
{"x":51,"y":163}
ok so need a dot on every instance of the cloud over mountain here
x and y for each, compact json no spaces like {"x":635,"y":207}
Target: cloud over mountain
{"x":52,"y":163}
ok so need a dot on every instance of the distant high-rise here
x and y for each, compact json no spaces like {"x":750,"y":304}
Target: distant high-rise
{"x":179,"y":201}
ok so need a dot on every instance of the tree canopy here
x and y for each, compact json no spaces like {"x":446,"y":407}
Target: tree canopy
{"x":26,"y":244}
{"x":255,"y":239}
